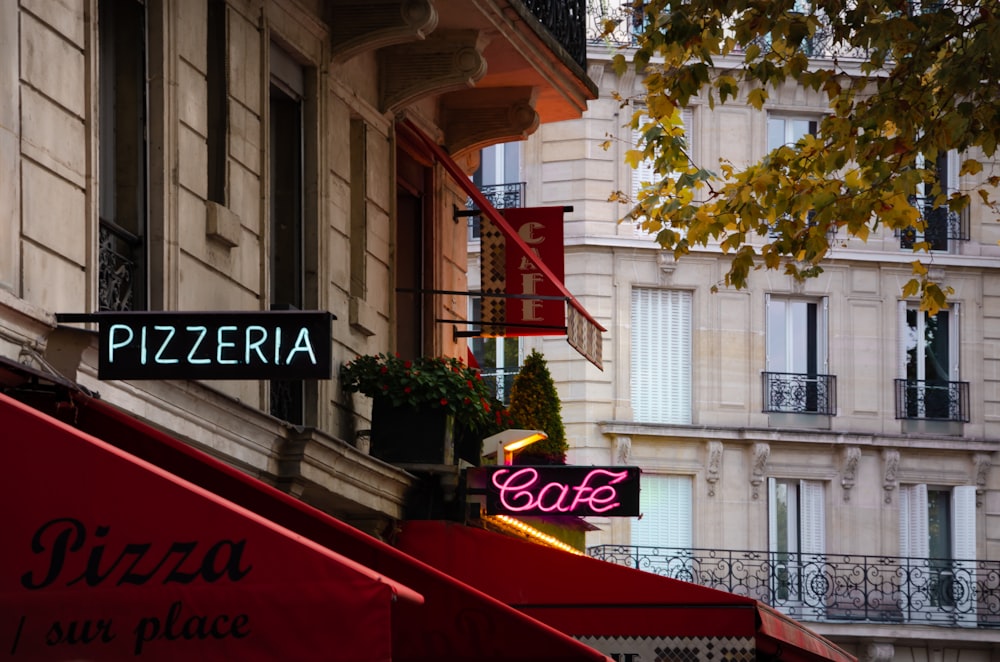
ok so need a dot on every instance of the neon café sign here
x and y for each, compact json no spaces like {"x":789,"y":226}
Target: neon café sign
{"x":562,"y":490}
{"x":277,"y":344}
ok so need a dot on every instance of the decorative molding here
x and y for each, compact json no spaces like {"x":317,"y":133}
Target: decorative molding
{"x":623,"y":449}
{"x":667,"y":263}
{"x":877,"y":651}
{"x":443,"y":63}
{"x":477,"y":118}
{"x":982,"y":463}
{"x":761,"y":453}
{"x":852,"y":455}
{"x":365,"y":25}
{"x":713,"y":465}
{"x":890,"y":464}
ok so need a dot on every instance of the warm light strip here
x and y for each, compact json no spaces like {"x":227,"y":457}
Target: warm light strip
{"x":505,"y":522}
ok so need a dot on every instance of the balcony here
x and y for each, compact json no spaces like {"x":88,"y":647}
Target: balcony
{"x":835,"y":587}
{"x":942,"y":226}
{"x":792,"y":393}
{"x":120,"y":257}
{"x":932,"y":400}
{"x":565,"y":20}
{"x":501,"y":196}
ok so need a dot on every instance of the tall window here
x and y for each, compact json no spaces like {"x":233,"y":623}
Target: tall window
{"x":413,"y":275}
{"x":796,"y":541}
{"x":643,"y":174}
{"x":666,"y":523}
{"x":498,"y":178}
{"x":498,"y":358}
{"x":122,"y":189}
{"x":788,"y":130}
{"x":941,"y":225}
{"x":286,"y":218}
{"x":661,"y":356}
{"x":217,"y":79}
{"x":937,"y":540}
{"x":929,"y":349}
{"x":796,"y":378}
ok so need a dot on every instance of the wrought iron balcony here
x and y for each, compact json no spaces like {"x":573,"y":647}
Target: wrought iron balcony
{"x":500,"y":382}
{"x":835,"y":587}
{"x":566,"y":21}
{"x":119,"y":259}
{"x":942,"y":225}
{"x":501,"y":196}
{"x":793,"y":393}
{"x":932,"y":400}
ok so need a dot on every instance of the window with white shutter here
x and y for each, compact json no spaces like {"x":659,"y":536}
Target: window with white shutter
{"x":797,"y":541}
{"x":643,"y":174}
{"x":661,"y":356}
{"x":665,"y":524}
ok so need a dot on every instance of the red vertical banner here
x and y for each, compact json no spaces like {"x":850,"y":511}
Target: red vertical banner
{"x":541,"y":228}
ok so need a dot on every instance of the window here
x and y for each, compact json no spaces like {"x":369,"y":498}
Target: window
{"x":286,"y":217}
{"x":122,"y":189}
{"x":661,"y":356}
{"x":937,"y":543}
{"x":666,"y":523}
{"x":643,"y":174}
{"x":941,"y":225}
{"x":499,"y":359}
{"x":929,"y":348}
{"x":217,"y":79}
{"x":413,"y":266}
{"x":795,"y":378}
{"x":788,"y":130}
{"x":797,"y":542}
{"x":497,"y":178}
{"x":359,"y":207}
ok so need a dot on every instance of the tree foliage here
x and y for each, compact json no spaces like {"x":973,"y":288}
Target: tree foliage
{"x":904,"y":83}
{"x":535,"y":405}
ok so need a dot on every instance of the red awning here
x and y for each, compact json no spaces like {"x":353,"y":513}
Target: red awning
{"x":601,"y":602}
{"x":108,"y":557}
{"x":455,"y":622}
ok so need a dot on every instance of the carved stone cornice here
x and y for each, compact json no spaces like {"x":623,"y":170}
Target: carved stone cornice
{"x":444,"y":62}
{"x":623,"y":449}
{"x":364,"y":25}
{"x":981,"y":463}
{"x":478,"y":118}
{"x":713,"y":464}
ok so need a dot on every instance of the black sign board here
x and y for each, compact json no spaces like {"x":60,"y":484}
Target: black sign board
{"x":213,"y":345}
{"x":562,"y":490}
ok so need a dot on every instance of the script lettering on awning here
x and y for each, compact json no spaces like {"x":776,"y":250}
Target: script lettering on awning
{"x":562,"y":490}
{"x":213,"y":345}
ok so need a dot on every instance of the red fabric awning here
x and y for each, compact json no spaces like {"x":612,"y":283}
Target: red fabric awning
{"x":455,"y":622}
{"x":595,"y":600}
{"x":105,"y":556}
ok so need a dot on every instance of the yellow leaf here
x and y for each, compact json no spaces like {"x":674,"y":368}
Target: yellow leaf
{"x":918,"y":268}
{"x":757,"y":97}
{"x":970,"y":167}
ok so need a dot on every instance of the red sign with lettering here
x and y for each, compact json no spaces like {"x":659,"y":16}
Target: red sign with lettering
{"x":562,"y":490}
{"x":541,"y":228}
{"x":107,"y":557}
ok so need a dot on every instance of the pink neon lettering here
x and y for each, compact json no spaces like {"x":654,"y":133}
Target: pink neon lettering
{"x":519,"y":491}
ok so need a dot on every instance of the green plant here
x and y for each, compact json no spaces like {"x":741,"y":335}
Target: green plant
{"x":436,"y":382}
{"x":534,"y":405}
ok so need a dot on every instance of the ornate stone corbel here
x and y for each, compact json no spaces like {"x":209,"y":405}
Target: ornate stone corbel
{"x":878,"y":651}
{"x":713,"y":464}
{"x":982,"y":463}
{"x":761,"y":453}
{"x":476,"y":118}
{"x":852,"y":455}
{"x":442,"y":63}
{"x":668,"y":264}
{"x":364,"y":25}
{"x":890,"y":464}
{"x":623,"y":449}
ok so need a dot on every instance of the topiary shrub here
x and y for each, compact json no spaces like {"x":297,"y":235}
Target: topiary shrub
{"x":534,"y":405}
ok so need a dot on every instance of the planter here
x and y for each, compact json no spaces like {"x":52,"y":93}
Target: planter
{"x":406,"y":435}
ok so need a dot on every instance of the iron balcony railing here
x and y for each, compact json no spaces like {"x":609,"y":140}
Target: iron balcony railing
{"x":566,"y":22}
{"x":786,"y":392}
{"x":942,"y":226}
{"x":932,"y":400}
{"x":835,"y":587}
{"x":119,"y":257}
{"x":500,"y":382}
{"x":501,"y":196}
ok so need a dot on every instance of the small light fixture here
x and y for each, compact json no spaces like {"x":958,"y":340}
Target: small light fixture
{"x":509,"y":441}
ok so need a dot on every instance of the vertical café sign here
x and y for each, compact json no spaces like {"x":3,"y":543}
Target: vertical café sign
{"x":212,"y":345}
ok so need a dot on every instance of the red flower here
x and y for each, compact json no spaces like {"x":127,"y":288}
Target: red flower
{"x":444,"y":402}
{"x":407,"y":364}
{"x":407,"y":389}
{"x":383,"y":370}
